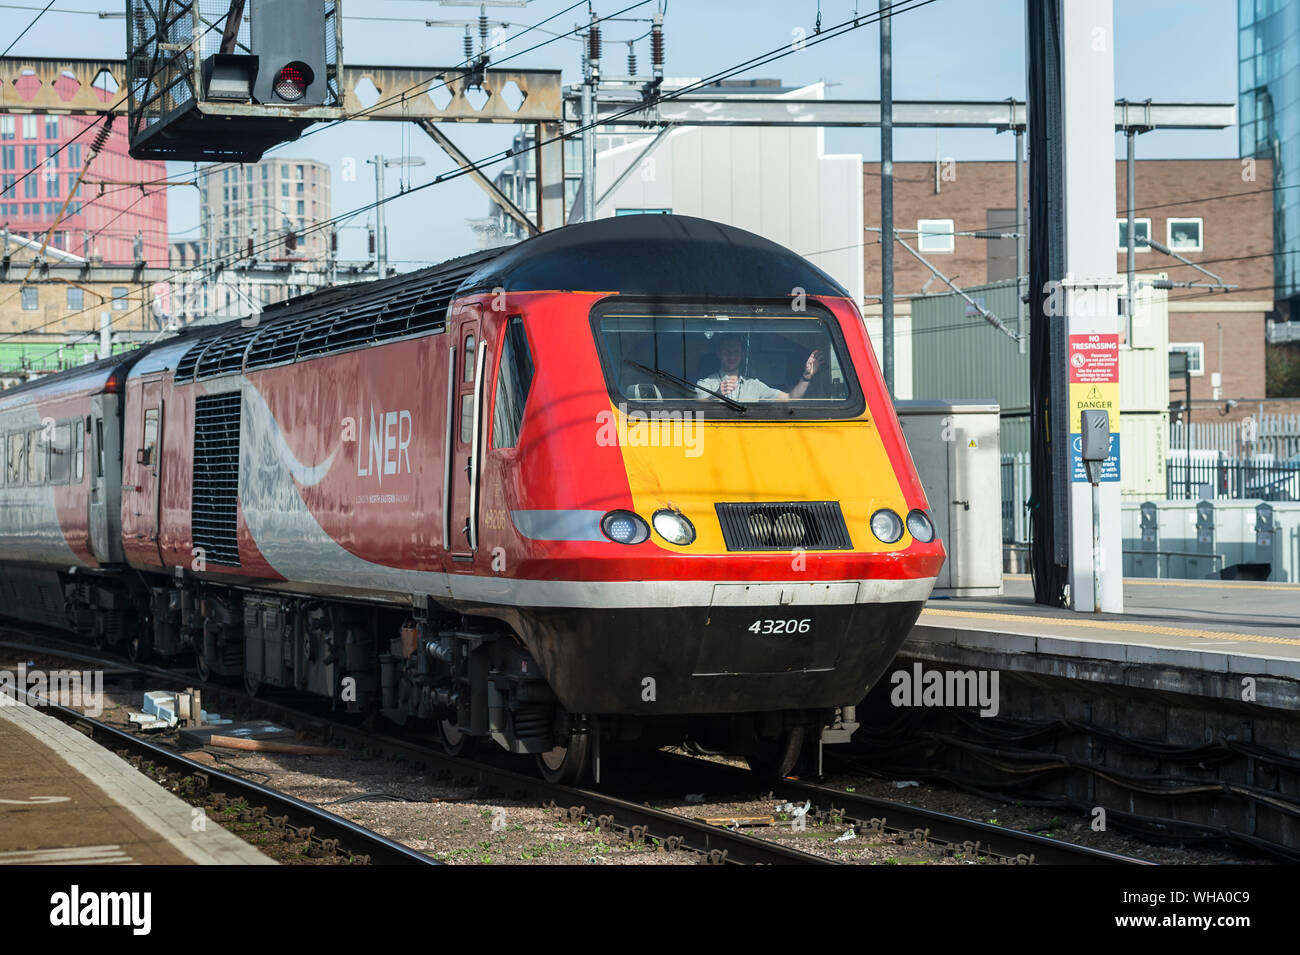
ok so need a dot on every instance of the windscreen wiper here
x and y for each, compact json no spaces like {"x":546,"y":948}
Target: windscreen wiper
{"x":669,"y":376}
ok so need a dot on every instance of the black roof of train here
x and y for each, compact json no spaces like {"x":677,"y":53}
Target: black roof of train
{"x":659,"y":255}
{"x":664,"y":256}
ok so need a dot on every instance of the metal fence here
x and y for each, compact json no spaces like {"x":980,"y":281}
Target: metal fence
{"x":1277,"y":435}
{"x":1218,"y":476}
{"x":1015,"y":492}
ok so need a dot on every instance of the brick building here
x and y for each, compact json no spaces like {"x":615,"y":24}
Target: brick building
{"x":114,"y":203}
{"x":1211,"y":211}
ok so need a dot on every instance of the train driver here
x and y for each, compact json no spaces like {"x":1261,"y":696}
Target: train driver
{"x":730,"y":382}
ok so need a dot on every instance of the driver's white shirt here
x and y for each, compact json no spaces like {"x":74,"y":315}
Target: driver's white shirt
{"x":747,"y":389}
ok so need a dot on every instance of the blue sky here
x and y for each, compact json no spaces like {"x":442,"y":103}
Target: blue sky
{"x":1172,"y":50}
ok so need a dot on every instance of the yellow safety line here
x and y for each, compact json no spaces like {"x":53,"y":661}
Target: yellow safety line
{"x":1225,"y":584}
{"x":1114,"y":625}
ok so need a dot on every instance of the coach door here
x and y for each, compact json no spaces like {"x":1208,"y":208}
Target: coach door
{"x":149,"y":464}
{"x":464,"y":428}
{"x":105,"y":466}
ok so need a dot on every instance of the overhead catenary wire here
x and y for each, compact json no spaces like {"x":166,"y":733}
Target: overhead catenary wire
{"x":761,"y":59}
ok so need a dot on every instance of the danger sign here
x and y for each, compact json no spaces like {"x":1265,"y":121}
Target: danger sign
{"x":1094,"y":384}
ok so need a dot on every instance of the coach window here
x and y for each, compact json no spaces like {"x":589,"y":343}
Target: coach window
{"x":513,"y":381}
{"x":78,"y":451}
{"x":150,"y":436}
{"x":17,"y":455}
{"x":60,"y":453}
{"x":36,"y":454}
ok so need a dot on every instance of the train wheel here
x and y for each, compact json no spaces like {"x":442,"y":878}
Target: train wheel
{"x":205,"y":670}
{"x":138,"y":647}
{"x":775,"y":757}
{"x":456,"y":742}
{"x":566,"y":764}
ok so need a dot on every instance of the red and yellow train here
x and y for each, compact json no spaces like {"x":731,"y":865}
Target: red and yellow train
{"x":632,"y":481}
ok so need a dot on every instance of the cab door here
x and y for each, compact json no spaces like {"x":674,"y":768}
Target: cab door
{"x":463,"y":444}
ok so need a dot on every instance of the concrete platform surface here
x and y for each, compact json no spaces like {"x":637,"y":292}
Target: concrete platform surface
{"x":66,"y":800}
{"x":1190,"y":636}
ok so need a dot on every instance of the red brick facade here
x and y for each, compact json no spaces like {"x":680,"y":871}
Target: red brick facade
{"x":1233,"y":200}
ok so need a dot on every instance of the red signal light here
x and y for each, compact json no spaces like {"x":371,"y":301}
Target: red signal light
{"x":292,"y":81}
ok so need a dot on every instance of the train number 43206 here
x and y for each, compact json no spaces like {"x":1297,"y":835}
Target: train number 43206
{"x":780,"y":626}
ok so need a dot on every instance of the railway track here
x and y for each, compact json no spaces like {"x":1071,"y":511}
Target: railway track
{"x":638,"y":823}
{"x":330,"y":835}
{"x":625,"y":814}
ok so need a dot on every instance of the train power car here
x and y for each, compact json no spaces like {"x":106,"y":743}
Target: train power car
{"x":633,"y":482}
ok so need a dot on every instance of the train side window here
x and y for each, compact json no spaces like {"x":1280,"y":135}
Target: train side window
{"x":78,"y":451}
{"x":17,"y":457}
{"x":60,"y":453}
{"x":468,"y":359}
{"x":99,"y":447}
{"x":514,"y":378}
{"x":150,"y":436}
{"x":466,"y":418}
{"x":37,"y":452}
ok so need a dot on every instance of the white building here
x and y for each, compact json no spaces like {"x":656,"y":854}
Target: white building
{"x":777,"y":182}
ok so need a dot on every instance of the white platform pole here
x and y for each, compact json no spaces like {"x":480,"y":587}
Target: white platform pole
{"x":1091,"y":286}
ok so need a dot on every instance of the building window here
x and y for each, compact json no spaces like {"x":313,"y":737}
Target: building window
{"x":76,"y":298}
{"x":51,"y":127}
{"x":1195,"y":352}
{"x":119,"y":299}
{"x":934,"y":235}
{"x":1141,"y":232}
{"x":6,"y":127}
{"x":30,"y":127}
{"x":29,"y":157}
{"x":31,"y":299}
{"x":1184,"y":235}
{"x":8,"y":157}
{"x":52,"y":156}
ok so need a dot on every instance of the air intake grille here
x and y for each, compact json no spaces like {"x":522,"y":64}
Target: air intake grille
{"x":812,"y":525}
{"x":334,"y":320}
{"x":215,"y":496}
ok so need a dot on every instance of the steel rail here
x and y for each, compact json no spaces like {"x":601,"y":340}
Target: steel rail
{"x":355,"y":839}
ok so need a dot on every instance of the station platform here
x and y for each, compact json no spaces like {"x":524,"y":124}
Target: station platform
{"x":1194,"y":637}
{"x":64,"y":800}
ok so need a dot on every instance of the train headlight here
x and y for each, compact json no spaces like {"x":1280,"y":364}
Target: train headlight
{"x":887,"y":526}
{"x":919,"y":526}
{"x":624,"y":527}
{"x":673,"y":526}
